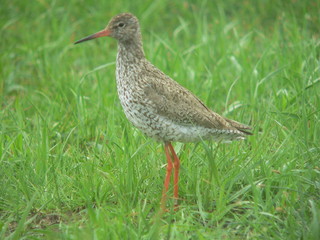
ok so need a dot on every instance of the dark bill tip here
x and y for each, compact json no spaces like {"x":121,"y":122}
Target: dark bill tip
{"x":85,"y":39}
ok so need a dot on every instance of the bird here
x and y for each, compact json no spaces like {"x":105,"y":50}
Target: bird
{"x":157,"y":105}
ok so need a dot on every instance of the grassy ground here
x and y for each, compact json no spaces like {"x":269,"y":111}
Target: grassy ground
{"x":72,"y":166}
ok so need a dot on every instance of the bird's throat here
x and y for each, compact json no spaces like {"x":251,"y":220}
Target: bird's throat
{"x":130,"y":50}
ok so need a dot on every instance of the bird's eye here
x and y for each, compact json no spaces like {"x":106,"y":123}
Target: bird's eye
{"x":121,"y":24}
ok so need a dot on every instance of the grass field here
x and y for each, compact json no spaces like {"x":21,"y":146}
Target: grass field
{"x":73,"y":167}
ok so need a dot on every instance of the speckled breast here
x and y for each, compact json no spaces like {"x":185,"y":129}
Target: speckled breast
{"x":135,"y":106}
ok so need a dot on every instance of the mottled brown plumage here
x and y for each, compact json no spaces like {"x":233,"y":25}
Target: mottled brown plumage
{"x":156,"y":104}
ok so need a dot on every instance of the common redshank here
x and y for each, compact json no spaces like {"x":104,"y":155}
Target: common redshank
{"x":159,"y":106}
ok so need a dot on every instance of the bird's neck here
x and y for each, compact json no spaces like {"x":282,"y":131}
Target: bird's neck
{"x":130,"y":50}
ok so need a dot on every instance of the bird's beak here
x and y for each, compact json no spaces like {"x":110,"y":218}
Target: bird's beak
{"x":103,"y":33}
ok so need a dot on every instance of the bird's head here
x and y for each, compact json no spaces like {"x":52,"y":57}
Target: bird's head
{"x":122,"y":27}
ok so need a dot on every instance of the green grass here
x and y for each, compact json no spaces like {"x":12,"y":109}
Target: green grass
{"x":73,"y":167}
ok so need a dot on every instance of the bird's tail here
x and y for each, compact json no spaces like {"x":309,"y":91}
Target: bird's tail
{"x":240,"y":126}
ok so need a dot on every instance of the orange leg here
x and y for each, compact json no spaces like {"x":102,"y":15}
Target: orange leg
{"x":168,"y":175}
{"x":176,"y":165}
